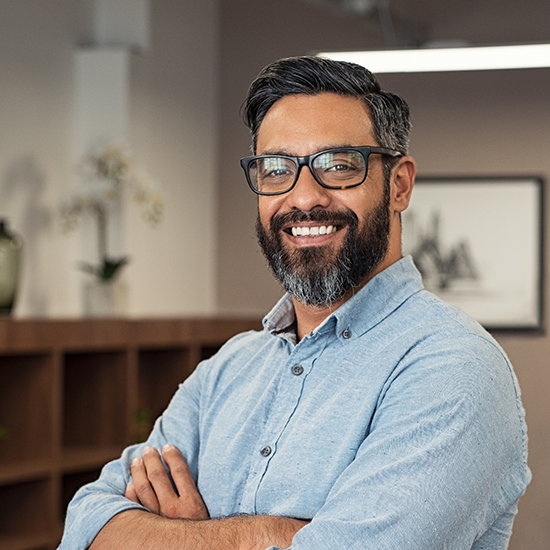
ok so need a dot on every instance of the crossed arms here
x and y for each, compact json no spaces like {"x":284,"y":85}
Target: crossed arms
{"x":181,"y":520}
{"x":444,"y":448}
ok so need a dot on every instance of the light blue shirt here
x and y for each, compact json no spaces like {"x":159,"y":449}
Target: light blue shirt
{"x":396,"y":424}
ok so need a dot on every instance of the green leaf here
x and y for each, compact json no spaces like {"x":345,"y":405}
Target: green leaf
{"x":111,"y":267}
{"x":108,"y":270}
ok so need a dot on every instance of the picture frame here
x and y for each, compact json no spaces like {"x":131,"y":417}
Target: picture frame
{"x":478,"y":243}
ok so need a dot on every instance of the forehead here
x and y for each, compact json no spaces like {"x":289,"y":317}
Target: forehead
{"x":302,"y":124}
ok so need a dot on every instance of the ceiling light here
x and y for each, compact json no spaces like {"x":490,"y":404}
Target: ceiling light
{"x":472,"y":58}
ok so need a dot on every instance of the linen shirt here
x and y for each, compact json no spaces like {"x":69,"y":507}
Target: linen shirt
{"x":396,"y":424}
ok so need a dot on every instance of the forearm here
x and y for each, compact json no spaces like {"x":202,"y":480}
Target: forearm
{"x":138,"y":530}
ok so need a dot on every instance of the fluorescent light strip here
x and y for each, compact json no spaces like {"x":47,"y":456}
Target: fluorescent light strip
{"x":475,"y":58}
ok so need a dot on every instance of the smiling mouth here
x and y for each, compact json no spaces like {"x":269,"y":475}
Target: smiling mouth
{"x":312,"y":231}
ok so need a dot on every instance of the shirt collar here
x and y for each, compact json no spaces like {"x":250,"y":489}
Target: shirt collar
{"x":382,"y":295}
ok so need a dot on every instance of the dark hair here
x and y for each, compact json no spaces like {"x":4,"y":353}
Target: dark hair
{"x":314,"y":75}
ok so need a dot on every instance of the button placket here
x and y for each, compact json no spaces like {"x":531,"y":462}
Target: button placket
{"x":299,"y":363}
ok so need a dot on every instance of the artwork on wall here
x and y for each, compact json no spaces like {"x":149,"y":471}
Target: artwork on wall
{"x":478,"y":244}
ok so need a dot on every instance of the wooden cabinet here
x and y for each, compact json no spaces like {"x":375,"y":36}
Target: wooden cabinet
{"x":73,"y":394}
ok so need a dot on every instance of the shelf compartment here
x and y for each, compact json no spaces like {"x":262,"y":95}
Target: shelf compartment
{"x":87,"y":458}
{"x":26,"y":389}
{"x":161,"y":371}
{"x":26,"y":514}
{"x":94,"y":399}
{"x":28,"y":542}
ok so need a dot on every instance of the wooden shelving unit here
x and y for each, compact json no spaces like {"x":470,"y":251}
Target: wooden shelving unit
{"x":73,"y":394}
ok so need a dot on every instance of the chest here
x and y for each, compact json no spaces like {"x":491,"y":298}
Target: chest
{"x":276,"y":442}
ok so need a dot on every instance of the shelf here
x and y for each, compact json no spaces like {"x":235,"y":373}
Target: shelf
{"x":26,"y":389}
{"x":25,"y":509}
{"x":160,"y":373}
{"x":94,"y":399}
{"x":73,"y":394}
{"x":83,"y":458}
{"x":15,"y":472}
{"x":43,"y":541}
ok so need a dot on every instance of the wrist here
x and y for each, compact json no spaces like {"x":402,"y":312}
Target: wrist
{"x":266,"y":531}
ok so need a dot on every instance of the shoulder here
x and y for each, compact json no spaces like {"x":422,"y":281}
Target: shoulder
{"x":431,"y":323}
{"x":428,"y":347}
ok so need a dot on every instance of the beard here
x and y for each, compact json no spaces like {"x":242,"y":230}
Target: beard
{"x":318,"y":275}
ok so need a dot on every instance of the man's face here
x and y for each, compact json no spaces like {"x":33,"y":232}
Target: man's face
{"x":348,"y":229}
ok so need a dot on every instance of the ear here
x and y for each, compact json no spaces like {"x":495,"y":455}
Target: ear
{"x":402,"y":182}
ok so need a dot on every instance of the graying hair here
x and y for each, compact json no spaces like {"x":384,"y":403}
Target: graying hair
{"x":314,"y":75}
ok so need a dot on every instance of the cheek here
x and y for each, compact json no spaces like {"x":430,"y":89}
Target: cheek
{"x":267,"y":206}
{"x":359,"y":199}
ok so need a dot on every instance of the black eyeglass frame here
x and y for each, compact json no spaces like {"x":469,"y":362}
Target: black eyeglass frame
{"x":365,"y":150}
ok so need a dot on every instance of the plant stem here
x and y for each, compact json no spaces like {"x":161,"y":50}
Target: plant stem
{"x":101,"y":232}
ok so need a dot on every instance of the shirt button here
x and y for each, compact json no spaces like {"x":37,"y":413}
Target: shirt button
{"x":346,"y":334}
{"x":297,"y":370}
{"x":265,"y":451}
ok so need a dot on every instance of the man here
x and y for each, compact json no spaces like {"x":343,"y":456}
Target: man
{"x":368,"y":414}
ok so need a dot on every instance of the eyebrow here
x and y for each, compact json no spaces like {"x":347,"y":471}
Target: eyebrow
{"x":286,"y":153}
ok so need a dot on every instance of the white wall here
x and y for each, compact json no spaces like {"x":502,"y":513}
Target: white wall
{"x":173,"y":114}
{"x":174,"y":106}
{"x":36,"y":39}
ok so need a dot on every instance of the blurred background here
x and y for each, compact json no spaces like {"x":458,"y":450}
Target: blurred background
{"x":185,"y":67}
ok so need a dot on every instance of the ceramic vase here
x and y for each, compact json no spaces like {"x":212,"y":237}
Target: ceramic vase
{"x":10,"y":261}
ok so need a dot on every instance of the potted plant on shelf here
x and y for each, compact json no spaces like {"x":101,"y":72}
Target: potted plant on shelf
{"x":108,"y":176}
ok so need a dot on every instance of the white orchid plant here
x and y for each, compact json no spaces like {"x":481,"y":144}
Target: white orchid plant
{"x":108,"y":176}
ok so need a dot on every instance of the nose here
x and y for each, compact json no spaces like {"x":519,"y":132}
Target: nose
{"x":307,"y":194}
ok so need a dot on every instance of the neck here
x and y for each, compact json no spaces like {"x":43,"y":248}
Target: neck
{"x":308,"y":318}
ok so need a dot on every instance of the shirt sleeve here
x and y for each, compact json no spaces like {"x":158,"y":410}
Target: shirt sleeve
{"x":96,"y":503}
{"x":442,"y":465}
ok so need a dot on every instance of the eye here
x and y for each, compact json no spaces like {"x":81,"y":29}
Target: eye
{"x":339,"y":160}
{"x":339,"y":164}
{"x":274,"y":167}
{"x":279,"y":172}
{"x":340,"y":167}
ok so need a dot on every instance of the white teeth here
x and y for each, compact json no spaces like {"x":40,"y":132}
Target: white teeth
{"x":313,"y":231}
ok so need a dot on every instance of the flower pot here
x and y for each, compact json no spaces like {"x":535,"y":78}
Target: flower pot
{"x":105,"y":298}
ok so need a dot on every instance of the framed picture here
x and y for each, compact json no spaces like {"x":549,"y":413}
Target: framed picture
{"x":478,"y":244}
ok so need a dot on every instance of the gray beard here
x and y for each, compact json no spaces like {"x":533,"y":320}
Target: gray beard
{"x":316,"y":275}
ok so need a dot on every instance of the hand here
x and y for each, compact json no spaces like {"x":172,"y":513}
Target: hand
{"x":151,"y":487}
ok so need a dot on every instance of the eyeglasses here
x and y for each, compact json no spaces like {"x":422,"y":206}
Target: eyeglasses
{"x":339,"y":168}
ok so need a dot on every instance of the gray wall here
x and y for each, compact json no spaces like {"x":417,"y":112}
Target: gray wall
{"x":494,"y":123}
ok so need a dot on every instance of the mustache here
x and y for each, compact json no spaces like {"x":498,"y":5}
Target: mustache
{"x":325,"y":217}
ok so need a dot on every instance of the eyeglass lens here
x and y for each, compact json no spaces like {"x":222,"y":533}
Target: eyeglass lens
{"x":338,"y":169}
